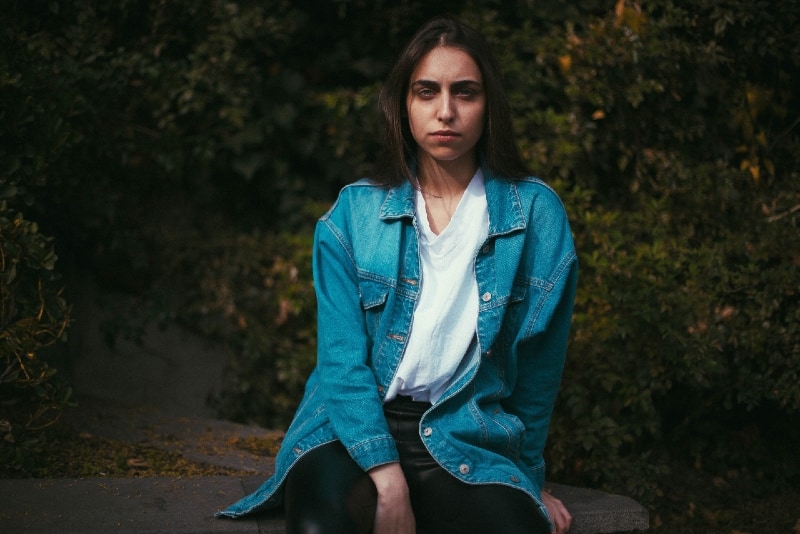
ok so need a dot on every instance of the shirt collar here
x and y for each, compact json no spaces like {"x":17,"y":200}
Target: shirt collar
{"x":505,"y":208}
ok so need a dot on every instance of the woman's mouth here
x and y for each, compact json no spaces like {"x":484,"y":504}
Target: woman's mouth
{"x":445,"y":135}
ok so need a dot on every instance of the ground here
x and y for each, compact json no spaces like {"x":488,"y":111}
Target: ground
{"x":62,"y":452}
{"x":695,"y":502}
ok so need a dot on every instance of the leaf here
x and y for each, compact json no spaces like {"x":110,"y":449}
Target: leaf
{"x":137,"y":463}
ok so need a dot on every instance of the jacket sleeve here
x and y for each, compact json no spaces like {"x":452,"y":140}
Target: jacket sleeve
{"x":542,"y":344}
{"x":348,"y":385}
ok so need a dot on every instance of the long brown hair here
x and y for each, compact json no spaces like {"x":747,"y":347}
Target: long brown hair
{"x":497,"y":146}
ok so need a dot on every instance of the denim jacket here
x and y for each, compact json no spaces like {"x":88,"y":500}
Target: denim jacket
{"x":490,"y":425}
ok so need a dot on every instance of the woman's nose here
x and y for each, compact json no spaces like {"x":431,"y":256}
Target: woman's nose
{"x":446,"y":110}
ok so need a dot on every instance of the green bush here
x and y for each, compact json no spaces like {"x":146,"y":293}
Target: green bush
{"x":33,"y":315}
{"x":254,"y":291}
{"x":682,"y":184}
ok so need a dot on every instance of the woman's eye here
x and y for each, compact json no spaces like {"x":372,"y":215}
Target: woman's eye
{"x":426,"y":93}
{"x":467,"y":92}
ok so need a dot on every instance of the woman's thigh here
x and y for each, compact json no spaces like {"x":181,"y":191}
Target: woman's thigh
{"x":444,"y":504}
{"x":327,"y":492}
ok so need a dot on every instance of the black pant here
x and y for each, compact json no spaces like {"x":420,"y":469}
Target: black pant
{"x":327,"y":492}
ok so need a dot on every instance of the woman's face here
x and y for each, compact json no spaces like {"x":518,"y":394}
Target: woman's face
{"x":446,"y":105}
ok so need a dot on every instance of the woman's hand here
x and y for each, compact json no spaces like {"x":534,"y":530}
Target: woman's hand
{"x":558,"y":513}
{"x":393,"y":514}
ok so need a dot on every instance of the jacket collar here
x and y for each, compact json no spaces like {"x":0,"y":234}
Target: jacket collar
{"x":505,"y":208}
{"x":399,"y":202}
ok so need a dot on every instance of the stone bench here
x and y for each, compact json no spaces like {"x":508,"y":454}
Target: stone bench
{"x":186,"y":505}
{"x":593,"y":512}
{"x":599,"y":512}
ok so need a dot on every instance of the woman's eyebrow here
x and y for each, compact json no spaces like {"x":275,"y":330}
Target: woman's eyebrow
{"x":427,"y":84}
{"x":472,"y":84}
{"x":430,"y":84}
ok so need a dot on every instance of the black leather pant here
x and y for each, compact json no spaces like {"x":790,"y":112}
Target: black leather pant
{"x":327,"y":492}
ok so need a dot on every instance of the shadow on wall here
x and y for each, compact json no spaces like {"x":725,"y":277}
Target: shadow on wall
{"x":168,"y":367}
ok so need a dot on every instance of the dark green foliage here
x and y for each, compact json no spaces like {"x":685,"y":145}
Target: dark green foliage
{"x":184,"y":149}
{"x":685,"y":214}
{"x":33,"y":315}
{"x":254,"y":291}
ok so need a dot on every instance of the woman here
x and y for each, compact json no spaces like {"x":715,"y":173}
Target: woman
{"x":445,"y":292}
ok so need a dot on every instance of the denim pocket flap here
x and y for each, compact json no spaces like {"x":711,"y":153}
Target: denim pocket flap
{"x":373,"y":293}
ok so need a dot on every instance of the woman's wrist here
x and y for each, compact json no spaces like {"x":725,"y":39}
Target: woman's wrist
{"x":388,"y":479}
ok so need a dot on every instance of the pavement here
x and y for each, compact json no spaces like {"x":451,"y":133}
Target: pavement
{"x":155,"y":392}
{"x":159,"y":505}
{"x":142,"y":504}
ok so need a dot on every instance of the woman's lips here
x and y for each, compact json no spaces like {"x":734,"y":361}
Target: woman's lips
{"x":445,"y":135}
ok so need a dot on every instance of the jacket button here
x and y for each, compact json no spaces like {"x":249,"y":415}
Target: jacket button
{"x":486,"y":297}
{"x":485,"y":249}
{"x":427,"y":432}
{"x":463,"y":469}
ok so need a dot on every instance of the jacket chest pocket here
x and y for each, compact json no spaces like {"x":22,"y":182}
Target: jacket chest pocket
{"x":525,"y":306}
{"x":516,"y":312}
{"x":374,"y":296}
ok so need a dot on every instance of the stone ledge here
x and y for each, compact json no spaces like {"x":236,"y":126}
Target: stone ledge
{"x":134,"y":501}
{"x":593,"y":511}
{"x":186,"y":505}
{"x":596,"y":512}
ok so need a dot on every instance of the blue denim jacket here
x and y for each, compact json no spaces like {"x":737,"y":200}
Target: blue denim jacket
{"x":490,"y":426}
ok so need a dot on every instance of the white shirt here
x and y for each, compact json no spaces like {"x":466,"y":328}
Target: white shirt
{"x":446,"y":315}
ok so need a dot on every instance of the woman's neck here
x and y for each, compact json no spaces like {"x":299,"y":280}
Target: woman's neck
{"x":442,"y":184}
{"x":445,"y":179}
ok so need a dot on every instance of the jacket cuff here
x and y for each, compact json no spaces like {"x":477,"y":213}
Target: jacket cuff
{"x":537,"y":476}
{"x":374,"y":452}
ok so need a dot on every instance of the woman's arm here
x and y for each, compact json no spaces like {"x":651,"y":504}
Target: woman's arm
{"x":394,"y":513}
{"x":540,"y":363}
{"x":348,"y":386}
{"x":540,"y":344}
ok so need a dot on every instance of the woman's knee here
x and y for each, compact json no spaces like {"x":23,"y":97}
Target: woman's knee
{"x":327,"y":492}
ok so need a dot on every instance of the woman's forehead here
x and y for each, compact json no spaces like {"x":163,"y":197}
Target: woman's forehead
{"x":446,"y":63}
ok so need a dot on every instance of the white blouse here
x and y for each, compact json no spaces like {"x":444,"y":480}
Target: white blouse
{"x":445,"y":319}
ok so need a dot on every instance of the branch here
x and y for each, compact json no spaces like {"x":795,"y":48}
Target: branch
{"x":786,"y":213}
